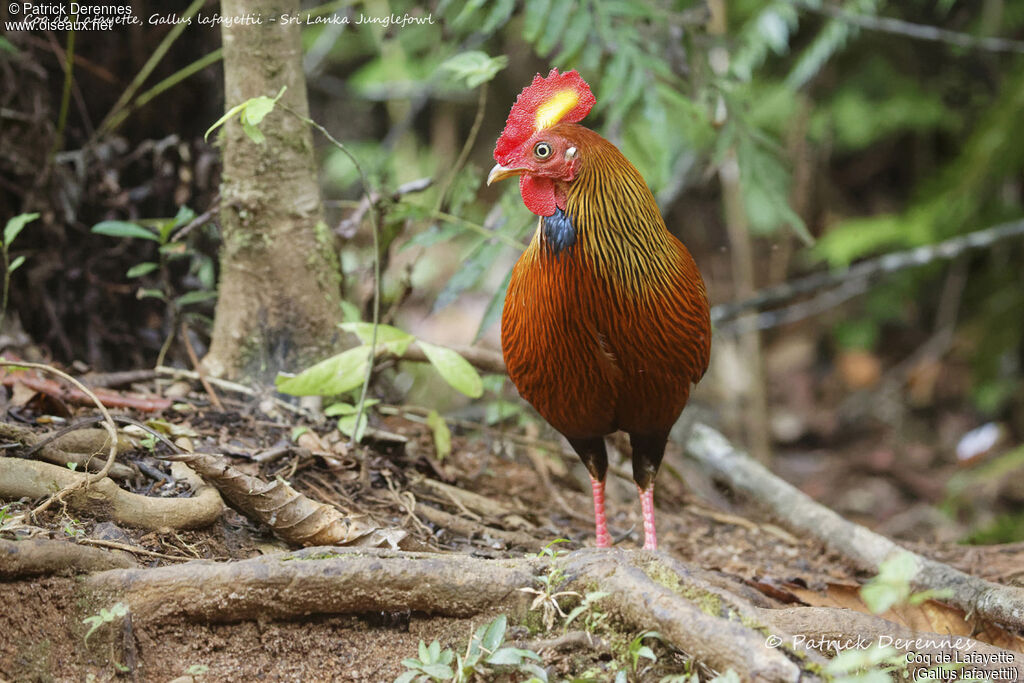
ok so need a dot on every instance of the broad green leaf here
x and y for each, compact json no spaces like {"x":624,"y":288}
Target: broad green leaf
{"x":254,"y":133}
{"x":454,"y":369}
{"x":442,"y":435}
{"x":438,"y":670}
{"x":336,"y":409}
{"x":335,"y":375}
{"x":16,"y":224}
{"x":388,"y":338}
{"x":347,"y":426}
{"x":257,"y":108}
{"x":474,"y":67}
{"x":408,"y":676}
{"x":15,"y":264}
{"x":433,"y":651}
{"x":124,"y":229}
{"x":892,"y":585}
{"x":194,"y":297}
{"x":424,"y":653}
{"x":495,"y":633}
{"x":140,"y":269}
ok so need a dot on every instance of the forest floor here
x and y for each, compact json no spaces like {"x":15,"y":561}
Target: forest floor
{"x":499,"y":495}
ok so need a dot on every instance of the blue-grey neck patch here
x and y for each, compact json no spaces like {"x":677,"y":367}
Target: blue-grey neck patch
{"x":559,"y":232}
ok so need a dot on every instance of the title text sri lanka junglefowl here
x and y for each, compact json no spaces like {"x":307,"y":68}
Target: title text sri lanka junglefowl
{"x":606,"y":323}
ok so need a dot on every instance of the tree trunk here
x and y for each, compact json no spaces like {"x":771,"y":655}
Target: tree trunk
{"x":280,"y":283}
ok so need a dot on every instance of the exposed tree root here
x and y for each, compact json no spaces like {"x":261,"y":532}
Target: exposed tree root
{"x":866,"y":549}
{"x":106,"y":500}
{"x":321,"y":580}
{"x":691,"y":609}
{"x":78,"y":447}
{"x":37,"y":556}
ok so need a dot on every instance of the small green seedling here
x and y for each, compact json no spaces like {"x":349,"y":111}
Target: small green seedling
{"x":14,"y":226}
{"x":105,"y":616}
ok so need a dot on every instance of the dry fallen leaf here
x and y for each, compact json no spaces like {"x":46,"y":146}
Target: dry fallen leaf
{"x":292,"y":516}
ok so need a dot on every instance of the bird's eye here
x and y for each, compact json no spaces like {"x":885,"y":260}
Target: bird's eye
{"x":542,"y":150}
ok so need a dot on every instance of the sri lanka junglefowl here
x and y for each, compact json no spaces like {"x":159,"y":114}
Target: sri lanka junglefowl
{"x":606,"y":323}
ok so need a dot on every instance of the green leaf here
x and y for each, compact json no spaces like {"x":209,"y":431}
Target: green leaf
{"x":892,"y":585}
{"x":254,"y":133}
{"x":389,"y":338}
{"x":575,"y":36}
{"x":15,"y":264}
{"x":536,"y":12}
{"x":147,"y":293}
{"x":297,"y":432}
{"x":257,"y":109}
{"x":424,"y":653}
{"x":194,"y":297}
{"x":335,"y":375}
{"x":500,"y":13}
{"x":474,"y":68}
{"x":646,"y":653}
{"x":495,"y":633}
{"x":408,"y":676}
{"x":15,"y":225}
{"x":222,"y":120}
{"x":124,"y":229}
{"x":554,"y":26}
{"x":342,"y":408}
{"x":454,"y":369}
{"x":442,"y":435}
{"x":438,"y":670}
{"x":140,"y":269}
{"x":347,"y":426}
{"x":336,"y":409}
{"x":433,"y":652}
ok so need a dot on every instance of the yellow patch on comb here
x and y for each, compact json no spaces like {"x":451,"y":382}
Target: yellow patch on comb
{"x":557,"y":106}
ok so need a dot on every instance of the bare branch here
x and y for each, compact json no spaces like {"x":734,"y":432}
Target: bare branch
{"x":916,"y":31}
{"x":867,"y":550}
{"x":870,"y":269}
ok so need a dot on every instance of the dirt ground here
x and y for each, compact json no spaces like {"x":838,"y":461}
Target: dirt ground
{"x":531,"y":495}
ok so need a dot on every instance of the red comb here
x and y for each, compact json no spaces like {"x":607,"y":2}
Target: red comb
{"x":522,"y":120}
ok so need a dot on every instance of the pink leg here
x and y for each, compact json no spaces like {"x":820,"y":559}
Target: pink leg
{"x":647,"y":505}
{"x":604,"y":539}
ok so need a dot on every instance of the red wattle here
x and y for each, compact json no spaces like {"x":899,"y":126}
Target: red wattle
{"x":538,"y":194}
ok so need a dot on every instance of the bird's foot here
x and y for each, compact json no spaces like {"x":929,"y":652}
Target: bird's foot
{"x":604,"y":539}
{"x":647,"y":506}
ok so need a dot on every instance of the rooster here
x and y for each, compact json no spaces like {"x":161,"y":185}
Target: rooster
{"x":606,"y":323}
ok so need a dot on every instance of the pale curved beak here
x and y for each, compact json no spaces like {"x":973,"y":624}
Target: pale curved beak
{"x":500,"y":172}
